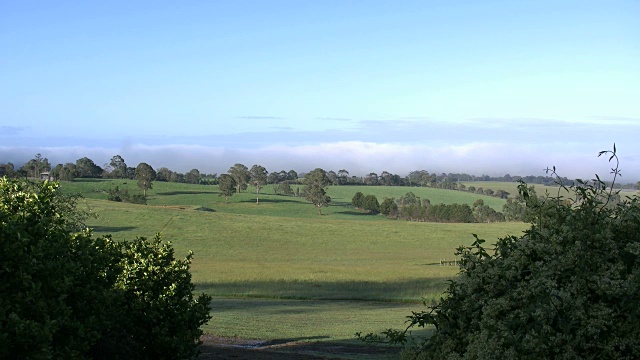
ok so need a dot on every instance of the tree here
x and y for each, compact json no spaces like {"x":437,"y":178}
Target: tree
{"x":227,"y":185}
{"x":388,"y":207}
{"x":192,"y":177}
{"x":315,"y":188}
{"x":357,"y":200}
{"x":258,"y":176}
{"x":273,"y":178}
{"x":292,"y":175}
{"x":568,"y":288}
{"x":67,"y":295}
{"x":118,"y":167}
{"x":145,"y":176}
{"x":371,"y":179}
{"x":333,"y":177}
{"x":35,"y":166}
{"x":370,"y":204}
{"x":86,"y":168}
{"x":7,"y":170}
{"x":240,"y":174}
{"x":66,"y":172}
{"x":283,"y":189}
{"x":163,"y":174}
{"x":343,"y":176}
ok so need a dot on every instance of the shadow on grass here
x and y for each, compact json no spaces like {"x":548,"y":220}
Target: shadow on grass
{"x":355,"y":213}
{"x":86,"y":180}
{"x":271,"y":201}
{"x":340,"y":203}
{"x":112,"y":229}
{"x":169,"y":193}
{"x":411,"y":290}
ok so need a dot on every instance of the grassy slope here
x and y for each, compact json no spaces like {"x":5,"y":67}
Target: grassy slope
{"x":256,"y":259}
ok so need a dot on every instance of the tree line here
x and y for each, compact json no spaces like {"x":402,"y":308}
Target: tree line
{"x":411,"y":207}
{"x":117,"y":168}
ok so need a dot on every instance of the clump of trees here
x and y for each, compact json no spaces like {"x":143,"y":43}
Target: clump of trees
{"x":68,"y":295}
{"x":368,"y":203}
{"x":568,"y":288}
{"x":411,"y":207}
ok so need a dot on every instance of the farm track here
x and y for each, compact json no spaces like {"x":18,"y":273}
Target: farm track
{"x":219,"y":348}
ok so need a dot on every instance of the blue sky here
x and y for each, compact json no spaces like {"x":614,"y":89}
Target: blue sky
{"x":486,"y":87}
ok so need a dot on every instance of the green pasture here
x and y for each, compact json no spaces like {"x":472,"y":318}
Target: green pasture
{"x":178,"y":194}
{"x":512,"y":188}
{"x":277,"y":270}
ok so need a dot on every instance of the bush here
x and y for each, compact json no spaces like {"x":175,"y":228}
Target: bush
{"x":357,"y":200}
{"x":388,"y":207}
{"x":68,"y":295}
{"x":370,"y":204}
{"x":122,"y":195}
{"x":569,"y":287}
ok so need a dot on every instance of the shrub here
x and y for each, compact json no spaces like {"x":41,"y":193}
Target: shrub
{"x":68,"y":295}
{"x":569,"y":287}
{"x":357,"y":200}
{"x":388,"y":207}
{"x":370,"y":204}
{"x":122,"y":195}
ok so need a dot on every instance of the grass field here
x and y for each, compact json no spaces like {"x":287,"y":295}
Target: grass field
{"x":278,"y":270}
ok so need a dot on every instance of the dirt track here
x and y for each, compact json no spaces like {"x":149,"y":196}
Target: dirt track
{"x":218,"y":348}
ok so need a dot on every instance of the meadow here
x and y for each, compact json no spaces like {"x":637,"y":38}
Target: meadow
{"x":279,"y":270}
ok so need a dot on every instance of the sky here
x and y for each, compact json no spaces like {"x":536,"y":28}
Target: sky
{"x":482,"y":87}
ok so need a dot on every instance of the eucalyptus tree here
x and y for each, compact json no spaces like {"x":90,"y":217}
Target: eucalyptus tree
{"x":258,"y":176}
{"x":315,"y":188}
{"x":118,"y":167}
{"x":343,"y":176}
{"x":145,"y":176}
{"x":241,"y":175}
{"x":86,"y":168}
{"x":227,"y":186}
{"x":192,"y":177}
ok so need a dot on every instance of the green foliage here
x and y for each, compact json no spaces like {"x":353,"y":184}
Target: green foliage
{"x":388,"y":207}
{"x":241,"y":175}
{"x":145,"y":176}
{"x":40,"y":269}
{"x":315,"y":188}
{"x":370,"y":204}
{"x":118,"y":167}
{"x":122,"y":195}
{"x":227,"y":186}
{"x":68,"y":295}
{"x":156,"y":315}
{"x":283,"y":189}
{"x":192,"y":177}
{"x":87,"y":168}
{"x":567,"y":288}
{"x":258,"y":175}
{"x":483,"y":213}
{"x":357,"y":200}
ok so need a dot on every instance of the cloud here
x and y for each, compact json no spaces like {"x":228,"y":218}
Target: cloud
{"x":359,"y":158}
{"x":12,"y":130}
{"x":261,"y":117}
{"x":333,"y":118}
{"x":616,"y":120}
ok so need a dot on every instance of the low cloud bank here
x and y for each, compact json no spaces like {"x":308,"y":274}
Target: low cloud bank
{"x":359,"y":158}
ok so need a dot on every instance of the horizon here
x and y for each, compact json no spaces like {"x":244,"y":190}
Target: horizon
{"x":466,"y":87}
